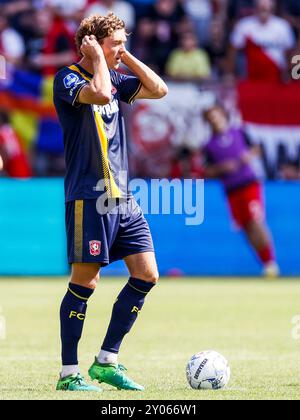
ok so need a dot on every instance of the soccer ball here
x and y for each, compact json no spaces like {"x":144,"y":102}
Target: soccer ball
{"x":208,"y":370}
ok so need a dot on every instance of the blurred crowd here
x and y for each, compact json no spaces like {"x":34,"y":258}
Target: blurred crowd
{"x":185,"y":39}
{"x":190,"y":40}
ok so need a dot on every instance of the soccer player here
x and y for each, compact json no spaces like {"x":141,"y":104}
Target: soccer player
{"x":228,"y":157}
{"x":87,"y":98}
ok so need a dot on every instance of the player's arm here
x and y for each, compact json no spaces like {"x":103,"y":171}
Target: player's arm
{"x":230,"y":62}
{"x":237,"y":42}
{"x":227,"y":167}
{"x":253,"y":150}
{"x":216,"y":170}
{"x":98,"y":91}
{"x":2,"y":158}
{"x":153,"y":87}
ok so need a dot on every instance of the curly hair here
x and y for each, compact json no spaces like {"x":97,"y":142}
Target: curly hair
{"x":100,"y":26}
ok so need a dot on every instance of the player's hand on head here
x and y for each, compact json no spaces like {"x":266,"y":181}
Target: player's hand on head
{"x":90,"y":47}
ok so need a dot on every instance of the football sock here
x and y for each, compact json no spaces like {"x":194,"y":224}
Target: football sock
{"x":266,"y":254}
{"x":107,"y":357}
{"x":72,"y":315}
{"x":69,"y":370}
{"x":125,"y":311}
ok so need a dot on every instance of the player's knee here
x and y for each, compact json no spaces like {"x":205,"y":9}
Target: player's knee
{"x":93,"y":283}
{"x":88,"y":278}
{"x":150,"y":277}
{"x":86,"y":275}
{"x":88,"y":283}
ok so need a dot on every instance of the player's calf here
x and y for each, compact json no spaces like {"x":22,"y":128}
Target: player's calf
{"x":126,"y":309}
{"x":261,"y":241}
{"x":125,"y":312}
{"x":72,"y":314}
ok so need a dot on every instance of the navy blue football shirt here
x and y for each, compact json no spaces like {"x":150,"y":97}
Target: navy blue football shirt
{"x":94,"y":135}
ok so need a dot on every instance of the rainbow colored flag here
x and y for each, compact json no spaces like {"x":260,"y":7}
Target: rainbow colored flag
{"x":27,"y":96}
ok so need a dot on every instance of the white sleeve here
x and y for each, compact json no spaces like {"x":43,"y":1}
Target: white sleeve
{"x":238,"y":36}
{"x":289,"y":38}
{"x":69,"y":7}
{"x":13,"y":44}
{"x":127,"y":13}
{"x":95,"y":9}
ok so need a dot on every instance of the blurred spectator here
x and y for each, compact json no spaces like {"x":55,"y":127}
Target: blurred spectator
{"x":14,"y":11}
{"x":52,"y":44}
{"x":187,"y":164}
{"x":14,"y":160}
{"x":200,"y":13}
{"x":142,"y":42}
{"x":169,"y":19}
{"x":217,"y":48}
{"x":267,"y":41}
{"x":13,"y":7}
{"x":11,"y":42}
{"x":46,"y":164}
{"x":288,"y":166}
{"x":290,"y":171}
{"x":189,"y":61}
{"x":239,"y":9}
{"x":141,"y":7}
{"x":290,"y":9}
{"x":69,"y":8}
{"x":37,"y":35}
{"x":121,"y":8}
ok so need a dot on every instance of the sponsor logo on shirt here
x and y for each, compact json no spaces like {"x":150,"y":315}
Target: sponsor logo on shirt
{"x":109,"y":109}
{"x":77,"y":84}
{"x":70,"y":80}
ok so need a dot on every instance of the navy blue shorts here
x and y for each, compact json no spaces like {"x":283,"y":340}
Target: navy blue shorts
{"x":94,"y":237}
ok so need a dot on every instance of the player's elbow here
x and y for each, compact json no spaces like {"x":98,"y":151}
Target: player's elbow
{"x":101,"y":98}
{"x":162,"y":90}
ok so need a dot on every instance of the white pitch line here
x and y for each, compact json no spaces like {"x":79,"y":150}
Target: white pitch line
{"x":145,"y":359}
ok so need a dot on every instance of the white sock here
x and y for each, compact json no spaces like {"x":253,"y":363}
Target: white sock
{"x":107,"y":357}
{"x":69,"y":370}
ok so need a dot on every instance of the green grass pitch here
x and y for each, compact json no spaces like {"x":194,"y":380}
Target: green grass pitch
{"x":249,"y":321}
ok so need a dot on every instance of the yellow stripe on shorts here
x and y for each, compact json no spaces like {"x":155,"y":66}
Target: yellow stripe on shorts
{"x":78,"y":234}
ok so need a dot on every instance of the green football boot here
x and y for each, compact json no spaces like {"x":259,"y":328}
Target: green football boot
{"x":113,"y":375}
{"x":75,"y":383}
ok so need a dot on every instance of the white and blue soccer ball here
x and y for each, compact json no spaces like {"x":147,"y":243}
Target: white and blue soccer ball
{"x":208,"y":370}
